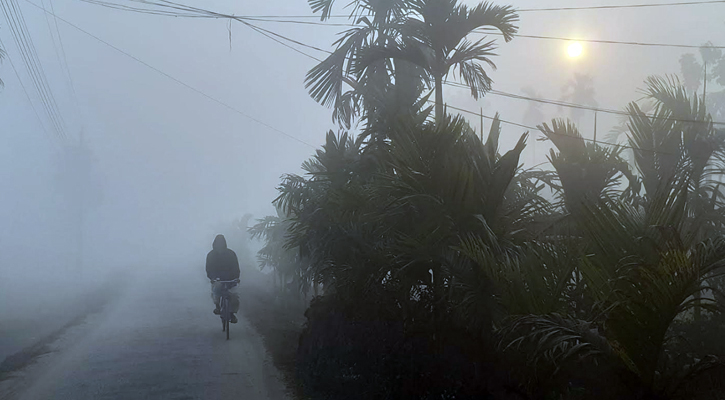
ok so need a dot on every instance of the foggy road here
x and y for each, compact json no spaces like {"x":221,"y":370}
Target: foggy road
{"x":159,"y":340}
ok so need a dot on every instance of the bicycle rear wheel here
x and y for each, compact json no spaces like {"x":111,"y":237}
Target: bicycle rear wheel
{"x":226,"y":315}
{"x":222,"y":313}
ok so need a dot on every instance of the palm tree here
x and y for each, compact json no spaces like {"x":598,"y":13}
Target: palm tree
{"x":435,"y":38}
{"x":440,"y":36}
{"x":284,"y":261}
{"x":704,"y":71}
{"x":586,"y":172}
{"x":326,"y":81}
{"x":440,"y":233}
{"x":429,"y":35}
{"x":365,"y":224}
{"x":644,"y":262}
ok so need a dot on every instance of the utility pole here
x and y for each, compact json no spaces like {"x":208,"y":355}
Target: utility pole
{"x":81,"y":202}
{"x":595,"y":127}
{"x":704,"y":85}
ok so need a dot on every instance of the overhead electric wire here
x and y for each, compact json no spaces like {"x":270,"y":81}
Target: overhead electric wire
{"x":495,"y":92}
{"x":618,"y":42}
{"x":201,"y":13}
{"x":39,"y":65}
{"x":573,"y":105}
{"x":527,"y":126}
{"x":27,"y":51}
{"x":176,"y":80}
{"x":50,"y":32}
{"x":600,"y":142}
{"x":539,"y":37}
{"x":622,"y":6}
{"x":14,"y":30}
{"x":259,"y":30}
{"x":65,"y":63}
{"x":524,"y":10}
{"x":535,"y":128}
{"x":32,"y":106}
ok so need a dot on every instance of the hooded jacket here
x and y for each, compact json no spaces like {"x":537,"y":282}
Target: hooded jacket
{"x":221,"y":262}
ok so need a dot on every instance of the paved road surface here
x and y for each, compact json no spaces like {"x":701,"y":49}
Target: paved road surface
{"x":158,"y":341}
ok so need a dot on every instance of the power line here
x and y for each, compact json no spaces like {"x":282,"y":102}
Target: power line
{"x":269,"y":34}
{"x":281,"y":36}
{"x":617,"y":42}
{"x":39,"y":66}
{"x":495,"y":92}
{"x":572,"y":105}
{"x":455,"y":84}
{"x":597,"y":142}
{"x":535,"y":128}
{"x":524,"y":10}
{"x":32,"y":106}
{"x":14,"y":30}
{"x":613,"y":7}
{"x":176,"y":80}
{"x":27,"y":51}
{"x":538,"y":37}
{"x":65,"y":63}
{"x":527,"y":126}
{"x":190,"y":12}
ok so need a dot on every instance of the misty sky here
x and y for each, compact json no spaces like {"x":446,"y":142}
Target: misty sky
{"x":174,"y":164}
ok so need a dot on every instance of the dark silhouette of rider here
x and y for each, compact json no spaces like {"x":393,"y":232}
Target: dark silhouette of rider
{"x":222,"y":264}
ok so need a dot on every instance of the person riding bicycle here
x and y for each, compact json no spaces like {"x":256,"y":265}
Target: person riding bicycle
{"x":222,"y":265}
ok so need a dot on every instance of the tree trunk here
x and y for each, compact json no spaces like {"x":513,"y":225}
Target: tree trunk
{"x":439,"y":98}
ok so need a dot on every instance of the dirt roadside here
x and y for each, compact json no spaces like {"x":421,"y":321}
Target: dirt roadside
{"x":279,"y":321}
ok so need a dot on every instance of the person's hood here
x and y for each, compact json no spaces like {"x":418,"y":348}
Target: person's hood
{"x":220,"y":243}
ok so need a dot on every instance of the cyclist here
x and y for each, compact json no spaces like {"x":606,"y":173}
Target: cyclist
{"x":222,"y":265}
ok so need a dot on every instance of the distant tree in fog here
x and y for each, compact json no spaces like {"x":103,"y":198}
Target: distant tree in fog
{"x":701,"y":74}
{"x":533,"y":115}
{"x":579,"y":90}
{"x":81,"y":189}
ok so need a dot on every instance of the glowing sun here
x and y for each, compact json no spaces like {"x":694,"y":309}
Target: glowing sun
{"x":575,"y":50}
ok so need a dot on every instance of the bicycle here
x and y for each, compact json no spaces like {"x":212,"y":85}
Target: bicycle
{"x":224,"y":311}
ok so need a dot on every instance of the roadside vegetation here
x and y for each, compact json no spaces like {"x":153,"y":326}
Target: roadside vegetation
{"x":439,"y":267}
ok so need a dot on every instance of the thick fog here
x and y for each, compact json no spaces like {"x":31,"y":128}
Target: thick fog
{"x":169,"y":165}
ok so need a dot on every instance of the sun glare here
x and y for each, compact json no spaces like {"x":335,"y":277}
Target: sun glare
{"x":575,"y":50}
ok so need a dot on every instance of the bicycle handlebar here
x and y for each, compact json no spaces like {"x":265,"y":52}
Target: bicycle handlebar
{"x":220,"y":281}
